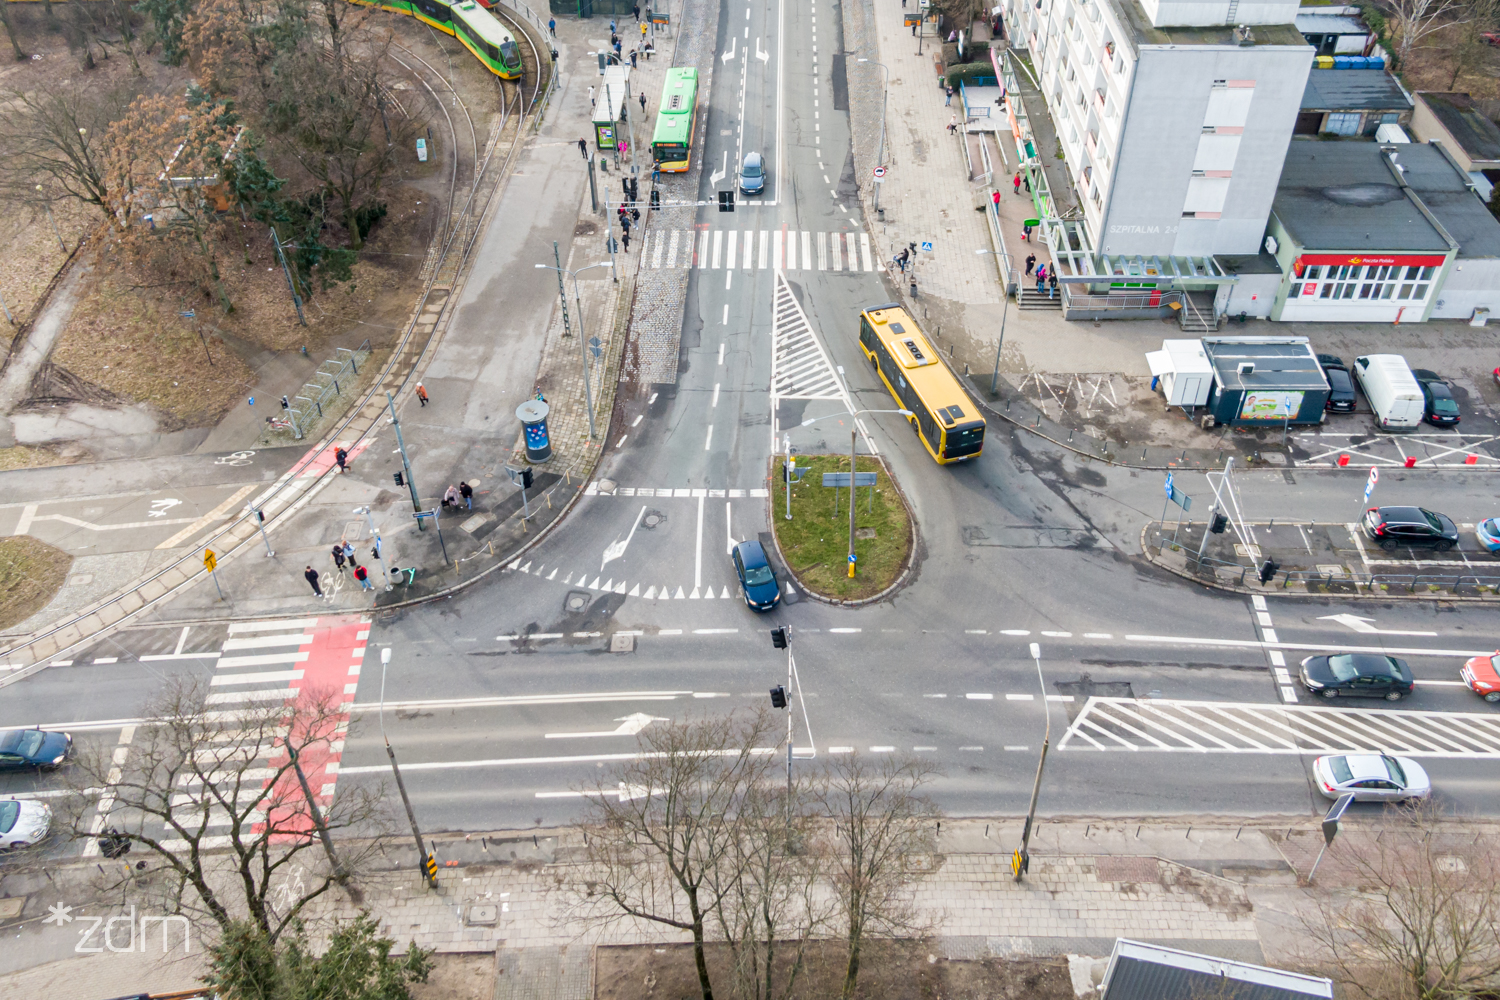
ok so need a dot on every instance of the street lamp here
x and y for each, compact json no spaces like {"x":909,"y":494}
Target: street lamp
{"x":429,"y":871}
{"x":1022,"y":858}
{"x":1004,"y":308}
{"x":853,"y":441}
{"x":885,"y":99}
{"x":588,"y":393}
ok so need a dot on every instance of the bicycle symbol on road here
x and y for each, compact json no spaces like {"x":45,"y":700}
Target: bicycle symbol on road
{"x":237,"y":458}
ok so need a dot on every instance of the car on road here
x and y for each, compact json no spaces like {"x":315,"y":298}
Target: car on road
{"x":1439,"y":408}
{"x":1483,"y":678}
{"x":1416,"y":527}
{"x":757,"y":581}
{"x":38,"y":748}
{"x":1372,"y":777}
{"x":1357,"y":675}
{"x":23,"y":822}
{"x":1340,"y":384}
{"x":1488,"y":533}
{"x":753,"y":174}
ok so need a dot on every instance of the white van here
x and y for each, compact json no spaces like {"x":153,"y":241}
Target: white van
{"x":1392,"y":390}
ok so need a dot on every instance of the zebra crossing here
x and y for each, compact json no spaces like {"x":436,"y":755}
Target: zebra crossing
{"x":646,"y":590}
{"x":1166,"y":725}
{"x":764,"y":249}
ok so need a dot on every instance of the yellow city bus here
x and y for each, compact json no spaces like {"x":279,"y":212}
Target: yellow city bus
{"x":944,"y":416}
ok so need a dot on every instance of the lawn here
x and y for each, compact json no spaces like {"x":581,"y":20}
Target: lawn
{"x":815,"y":542}
{"x":31,"y":572}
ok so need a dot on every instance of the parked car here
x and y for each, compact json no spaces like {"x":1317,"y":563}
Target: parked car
{"x":757,"y":582}
{"x":1372,"y":777}
{"x":23,"y":822}
{"x":1483,"y":678}
{"x":1393,"y":393}
{"x":1340,"y":384}
{"x":1439,"y":407}
{"x":21,"y":748}
{"x":1488,"y":533}
{"x":753,"y":174}
{"x":1416,"y":527}
{"x":1357,"y":675}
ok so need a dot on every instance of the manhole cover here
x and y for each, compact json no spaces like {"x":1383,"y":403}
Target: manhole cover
{"x":608,"y":486}
{"x":652,"y":519}
{"x":621,"y":643}
{"x":586,"y":228}
{"x":1331,"y":569}
{"x":576,"y":600}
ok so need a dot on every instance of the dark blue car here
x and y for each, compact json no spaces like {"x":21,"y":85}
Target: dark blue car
{"x":757,"y":582}
{"x":33,"y":748}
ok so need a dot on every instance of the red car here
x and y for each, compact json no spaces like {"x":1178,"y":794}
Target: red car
{"x":1480,"y":674}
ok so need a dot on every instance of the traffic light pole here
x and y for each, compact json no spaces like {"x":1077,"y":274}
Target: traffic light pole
{"x":416,"y":504}
{"x":428,"y":873}
{"x":1022,"y":859}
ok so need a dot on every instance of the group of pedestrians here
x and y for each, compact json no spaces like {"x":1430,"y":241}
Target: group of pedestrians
{"x":462,"y":493}
{"x":344,"y":561}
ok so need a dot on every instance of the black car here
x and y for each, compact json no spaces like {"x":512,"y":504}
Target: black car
{"x":1394,"y":527}
{"x":1357,"y":675}
{"x":1441,"y":409}
{"x":33,"y":748}
{"x":1340,"y":384}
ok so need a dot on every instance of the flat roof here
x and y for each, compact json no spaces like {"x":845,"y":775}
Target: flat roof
{"x":1329,"y":24}
{"x":1133,"y":16}
{"x":1140,"y":971}
{"x":1280,"y":363}
{"x":1353,"y":90}
{"x":1475,"y":134}
{"x":1344,"y":196}
{"x":1447,"y":194}
{"x":1248,"y":263}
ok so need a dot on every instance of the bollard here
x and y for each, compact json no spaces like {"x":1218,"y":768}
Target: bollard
{"x":1471,"y":459}
{"x":1411,"y":461}
{"x":1343,"y":461}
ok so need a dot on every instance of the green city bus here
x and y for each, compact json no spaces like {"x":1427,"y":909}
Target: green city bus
{"x":672,"y":142}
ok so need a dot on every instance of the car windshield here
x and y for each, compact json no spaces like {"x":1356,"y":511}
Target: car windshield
{"x":10,"y":811}
{"x":1343,"y":667}
{"x":30,"y":743}
{"x":1444,"y":404}
{"x":1432,"y":520}
{"x":1340,"y":768}
{"x":758,"y":576}
{"x":752,"y":170}
{"x":1394,"y":769}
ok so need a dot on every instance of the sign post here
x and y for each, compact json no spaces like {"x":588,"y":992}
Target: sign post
{"x":1331,"y":828}
{"x":1370,"y":483}
{"x":211,"y":563}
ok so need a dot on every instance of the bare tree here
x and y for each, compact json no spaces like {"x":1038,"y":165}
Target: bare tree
{"x":1418,"y":921}
{"x":882,"y":825}
{"x":661,"y":827}
{"x":1470,"y":48}
{"x":56,"y":138}
{"x":1413,"y":20}
{"x":10,"y":32}
{"x":215,"y":799}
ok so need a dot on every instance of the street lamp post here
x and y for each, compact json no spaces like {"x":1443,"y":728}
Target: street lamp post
{"x":1004,"y":308}
{"x":427,"y":872}
{"x":416,"y":503}
{"x":885,"y":100}
{"x":787,"y":471}
{"x":588,"y":392}
{"x":1022,"y":859}
{"x":853,"y":439}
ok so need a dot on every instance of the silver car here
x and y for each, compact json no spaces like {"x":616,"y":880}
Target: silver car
{"x":23,"y":822}
{"x":1372,"y":777}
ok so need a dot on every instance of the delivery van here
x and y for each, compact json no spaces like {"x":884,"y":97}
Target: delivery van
{"x":1392,"y":390}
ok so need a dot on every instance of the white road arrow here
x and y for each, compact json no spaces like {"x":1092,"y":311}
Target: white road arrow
{"x":616,"y":549}
{"x":1359,"y":624}
{"x":762,"y":56}
{"x":730,"y":54}
{"x":718,"y":175}
{"x":629,"y":726}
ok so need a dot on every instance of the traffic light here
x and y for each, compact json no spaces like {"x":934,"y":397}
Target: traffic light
{"x":400,"y":480}
{"x":779,"y":637}
{"x":655,"y":199}
{"x":1218,"y":524}
{"x":778,"y":697}
{"x":286,"y":404}
{"x":526,"y":479}
{"x":726,"y":201}
{"x":1268,"y":570}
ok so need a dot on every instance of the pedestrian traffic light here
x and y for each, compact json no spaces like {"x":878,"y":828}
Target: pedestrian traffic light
{"x":526,"y":479}
{"x":779,"y":637}
{"x":1218,"y":524}
{"x":655,"y":199}
{"x":726,"y":201}
{"x":399,"y":480}
{"x":1268,"y":570}
{"x":778,"y":697}
{"x":286,"y":404}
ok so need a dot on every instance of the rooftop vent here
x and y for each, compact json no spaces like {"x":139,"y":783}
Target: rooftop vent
{"x":1245,"y":368}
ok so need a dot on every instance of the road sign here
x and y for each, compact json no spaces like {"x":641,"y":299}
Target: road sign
{"x":1180,"y":498}
{"x":879,"y":173}
{"x":842,"y":479}
{"x":595,"y":348}
{"x":852,"y":557}
{"x":209,"y":560}
{"x":927,"y":246}
{"x":1370,"y":483}
{"x":1169,"y":484}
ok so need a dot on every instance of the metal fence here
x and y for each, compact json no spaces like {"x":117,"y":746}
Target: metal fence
{"x":333,"y":379}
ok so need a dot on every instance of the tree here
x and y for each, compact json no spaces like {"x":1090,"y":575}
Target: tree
{"x":10,"y":32}
{"x":57,"y":138}
{"x":1413,"y":20}
{"x":1469,"y":47}
{"x":661,"y":828}
{"x":1421,"y":925}
{"x":214,"y":799}
{"x":356,"y":965}
{"x":168,"y":17}
{"x":881,"y":823}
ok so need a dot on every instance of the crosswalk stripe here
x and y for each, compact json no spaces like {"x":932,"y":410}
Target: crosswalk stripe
{"x":765,"y":239}
{"x":672,"y":249}
{"x":822,"y":251}
{"x":864,"y":250}
{"x":729,"y":255}
{"x":777,"y":256}
{"x":656,"y":250}
{"x":837,"y":251}
{"x":806,"y":255}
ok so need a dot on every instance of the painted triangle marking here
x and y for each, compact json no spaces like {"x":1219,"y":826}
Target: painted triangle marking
{"x":595,"y":584}
{"x":725,"y":594}
{"x":514,"y":564}
{"x":608,"y":584}
{"x":680,"y":596}
{"x":634,"y":591}
{"x":708,"y":594}
{"x":552,"y":575}
{"x":694,"y":595}
{"x":650,"y":593}
{"x":620,"y":587}
{"x":527,"y":567}
{"x":568,"y":578}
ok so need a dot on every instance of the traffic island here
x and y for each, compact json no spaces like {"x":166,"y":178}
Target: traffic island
{"x":814,"y":543}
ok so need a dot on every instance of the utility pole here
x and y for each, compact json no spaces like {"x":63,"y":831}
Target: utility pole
{"x":416,"y":504}
{"x":425,"y":864}
{"x":781,"y":697}
{"x":1021,"y":860}
{"x":787,"y":441}
{"x":853,"y":439}
{"x":291,"y":285}
{"x":562,"y":295}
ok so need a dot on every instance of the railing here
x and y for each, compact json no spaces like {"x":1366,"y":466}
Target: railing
{"x":330,"y":380}
{"x":1132,"y":301}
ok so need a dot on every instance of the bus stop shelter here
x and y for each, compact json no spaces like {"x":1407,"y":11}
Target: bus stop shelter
{"x":609,"y":108}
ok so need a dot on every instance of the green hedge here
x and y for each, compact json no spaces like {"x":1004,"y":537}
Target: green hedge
{"x":970,"y":73}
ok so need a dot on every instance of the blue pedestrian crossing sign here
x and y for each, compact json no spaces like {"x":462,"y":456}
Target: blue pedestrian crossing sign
{"x":1169,"y":484}
{"x":927,"y":246}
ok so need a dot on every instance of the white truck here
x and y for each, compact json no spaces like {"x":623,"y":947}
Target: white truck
{"x":1392,"y":390}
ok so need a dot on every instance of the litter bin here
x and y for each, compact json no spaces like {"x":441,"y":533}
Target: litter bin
{"x":533,"y":417}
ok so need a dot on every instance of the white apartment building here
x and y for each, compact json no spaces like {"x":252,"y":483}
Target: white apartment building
{"x":1174,"y":115}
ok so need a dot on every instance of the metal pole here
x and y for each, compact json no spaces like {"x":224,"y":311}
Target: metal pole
{"x":609,"y":237}
{"x":853,"y":439}
{"x":1318,"y":862}
{"x":286,"y":270}
{"x":411,"y":486}
{"x":439,"y":527}
{"x":6,"y":306}
{"x":562,"y":295}
{"x":260,"y":522}
{"x":593,"y":185}
{"x":787,"y":438}
{"x":316,"y":814}
{"x":416,"y":832}
{"x":1036,"y":788}
{"x":215,"y":575}
{"x":583,"y":347}
{"x":789,"y":736}
{"x":379,"y":549}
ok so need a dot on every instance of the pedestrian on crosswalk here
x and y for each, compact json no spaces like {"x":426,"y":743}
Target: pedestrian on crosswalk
{"x":312,"y":578}
{"x":363,"y":576}
{"x":338,"y":556}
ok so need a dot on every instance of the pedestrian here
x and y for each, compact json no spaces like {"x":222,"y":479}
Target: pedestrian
{"x":1015,"y":184}
{"x":1051,"y":284}
{"x":643,"y":104}
{"x":625,"y":241}
{"x":312,"y":578}
{"x":552,"y":26}
{"x":1041,"y":280}
{"x":949,"y":100}
{"x":1026,"y":179}
{"x":375,"y":550}
{"x":995,"y":197}
{"x":643,"y":31}
{"x":450,"y":496}
{"x":363,"y":576}
{"x":611,"y":26}
{"x":583,"y":147}
{"x":467,"y":492}
{"x":632,"y":61}
{"x":953,"y":124}
{"x":625,"y":223}
{"x":903,"y":4}
{"x":914,"y":29}
{"x":650,"y":50}
{"x":591,"y":104}
{"x":1026,"y":232}
{"x":635,"y":9}
{"x":338,"y":556}
{"x":342,"y":458}
{"x":349,"y":553}
{"x":1030,"y":263}
{"x":635,"y":213}
{"x":421,"y":394}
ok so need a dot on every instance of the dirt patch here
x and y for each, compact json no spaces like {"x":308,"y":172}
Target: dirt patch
{"x":902,"y":970}
{"x":26,"y":457}
{"x":458,"y":977}
{"x":31,"y":573}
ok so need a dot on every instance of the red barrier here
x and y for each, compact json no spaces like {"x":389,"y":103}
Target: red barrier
{"x":1411,"y":461}
{"x":1471,"y":459}
{"x":1343,"y":461}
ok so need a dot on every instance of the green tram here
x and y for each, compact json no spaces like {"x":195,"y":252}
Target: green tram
{"x":480,"y":31}
{"x":672,"y":142}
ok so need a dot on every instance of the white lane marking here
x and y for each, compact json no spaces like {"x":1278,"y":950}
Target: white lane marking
{"x":1359,"y":624}
{"x":845,"y":631}
{"x":629,"y":726}
{"x":182,"y":639}
{"x":637,"y":421}
{"x":621,"y":441}
{"x":437,"y":765}
{"x":1020,"y":697}
{"x":715,"y":631}
{"x":698,"y":554}
{"x":1058,"y":635}
{"x":1097,"y":635}
{"x":729,"y":253}
{"x":979,"y":696}
{"x":1014,"y":747}
{"x":934,"y":696}
{"x":718,"y":244}
{"x":1014,"y":631}
{"x":730,"y":54}
{"x":726,"y":316}
{"x":721,"y":352}
{"x":1311,"y":646}
{"x":716,"y":395}
{"x":709,"y":440}
{"x":882,"y":749}
{"x":729,"y":535}
{"x":615,"y":549}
